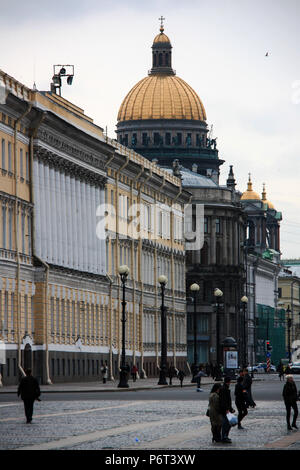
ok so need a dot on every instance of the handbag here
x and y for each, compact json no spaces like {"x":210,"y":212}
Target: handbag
{"x":232,"y":419}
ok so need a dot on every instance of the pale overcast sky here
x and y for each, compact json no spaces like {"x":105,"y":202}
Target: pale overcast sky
{"x":219,"y":47}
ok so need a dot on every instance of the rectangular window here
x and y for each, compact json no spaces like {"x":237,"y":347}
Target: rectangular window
{"x":10,"y":228}
{"x":168,"y":138}
{"x":218,"y":225}
{"x":156,"y":138}
{"x":4,"y":226}
{"x":205,"y":225}
{"x":280,"y":292}
{"x":23,"y":232}
{"x":9,"y":157}
{"x":179,"y":138}
{"x":145,"y":138}
{"x":21,"y":163}
{"x":27,"y":166}
{"x":12,"y":310}
{"x":3,"y":154}
{"x":26,"y":312}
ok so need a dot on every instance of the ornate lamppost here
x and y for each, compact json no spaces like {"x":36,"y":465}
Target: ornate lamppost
{"x":289,"y":324}
{"x":123,"y":271}
{"x":195,"y":289}
{"x":244,"y":301}
{"x":163,"y":360}
{"x":218,"y":294}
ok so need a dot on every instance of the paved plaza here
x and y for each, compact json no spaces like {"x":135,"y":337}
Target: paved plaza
{"x":135,"y":424}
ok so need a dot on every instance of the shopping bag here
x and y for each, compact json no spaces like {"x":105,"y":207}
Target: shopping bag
{"x":232,"y":419}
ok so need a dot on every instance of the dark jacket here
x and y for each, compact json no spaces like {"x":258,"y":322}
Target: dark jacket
{"x":289,"y":393}
{"x":247,"y":382}
{"x":241,"y":399}
{"x":225,"y":400}
{"x":29,"y":388}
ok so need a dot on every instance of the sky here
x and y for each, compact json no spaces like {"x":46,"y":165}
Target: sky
{"x":252,"y":101}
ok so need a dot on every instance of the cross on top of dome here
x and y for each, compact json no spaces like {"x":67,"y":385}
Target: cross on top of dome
{"x":161,"y":19}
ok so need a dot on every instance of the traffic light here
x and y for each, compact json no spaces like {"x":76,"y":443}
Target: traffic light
{"x":268,"y":346}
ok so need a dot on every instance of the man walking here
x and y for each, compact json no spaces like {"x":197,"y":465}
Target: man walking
{"x":225,"y":407}
{"x":290,"y":397}
{"x":247,"y":382}
{"x":29,"y":390}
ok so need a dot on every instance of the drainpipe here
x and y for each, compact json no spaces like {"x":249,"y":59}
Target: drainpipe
{"x":46,"y":266}
{"x":29,"y":106}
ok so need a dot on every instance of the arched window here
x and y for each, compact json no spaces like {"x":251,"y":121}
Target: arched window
{"x":160,"y":59}
{"x":167,"y":59}
{"x":154,"y":60}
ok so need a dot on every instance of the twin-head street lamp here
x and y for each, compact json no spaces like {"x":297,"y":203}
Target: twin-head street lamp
{"x":123,"y":271}
{"x":289,"y":324}
{"x":244,"y":301}
{"x":218,"y":294}
{"x":195,"y":289}
{"x":163,"y":361}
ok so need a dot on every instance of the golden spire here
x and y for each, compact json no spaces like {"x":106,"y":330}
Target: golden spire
{"x":249,"y":182}
{"x":250,"y":194}
{"x":264,"y":194}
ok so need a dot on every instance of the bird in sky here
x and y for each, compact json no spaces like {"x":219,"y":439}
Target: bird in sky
{"x":267,"y":54}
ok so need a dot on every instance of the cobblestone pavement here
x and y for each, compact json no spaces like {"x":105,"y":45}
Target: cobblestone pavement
{"x":94,"y":425}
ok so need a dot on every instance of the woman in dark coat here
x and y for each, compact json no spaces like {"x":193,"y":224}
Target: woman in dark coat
{"x":214,"y":413}
{"x":240,"y":401}
{"x":290,"y":397}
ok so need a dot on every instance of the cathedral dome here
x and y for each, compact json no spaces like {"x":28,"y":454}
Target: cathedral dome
{"x":250,"y":194}
{"x":161,"y":96}
{"x":162,"y":37}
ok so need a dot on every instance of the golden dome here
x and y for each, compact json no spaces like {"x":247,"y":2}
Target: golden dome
{"x":250,"y":194}
{"x":161,"y":96}
{"x":264,"y":198}
{"x":162,"y":37}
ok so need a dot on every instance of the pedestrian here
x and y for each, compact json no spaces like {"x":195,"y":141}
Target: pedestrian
{"x":134,"y":371}
{"x":214,"y":412}
{"x":247,"y":383}
{"x":199,"y":375}
{"x":172,"y":373}
{"x":29,"y":390}
{"x":241,"y":400}
{"x":225,"y":407}
{"x":280,"y":371}
{"x":104,"y":370}
{"x":181,"y":376}
{"x":290,"y":397}
{"x":287,"y":370}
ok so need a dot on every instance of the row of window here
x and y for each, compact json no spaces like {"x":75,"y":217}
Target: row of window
{"x":7,"y":160}
{"x":75,"y":367}
{"x":7,"y":229}
{"x":159,"y":139}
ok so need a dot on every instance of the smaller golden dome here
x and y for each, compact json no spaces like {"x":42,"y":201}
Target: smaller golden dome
{"x":264,"y":198}
{"x":162,"y":37}
{"x":250,"y":194}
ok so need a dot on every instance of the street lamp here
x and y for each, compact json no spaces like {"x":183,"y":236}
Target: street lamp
{"x":163,"y":360}
{"x":195,"y":289}
{"x":218,"y":294}
{"x":123,"y":271}
{"x":244,"y":301}
{"x":289,"y":324}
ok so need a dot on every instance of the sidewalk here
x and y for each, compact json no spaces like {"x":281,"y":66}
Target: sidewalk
{"x":110,"y":386}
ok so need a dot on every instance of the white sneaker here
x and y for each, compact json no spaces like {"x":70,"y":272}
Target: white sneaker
{"x":199,"y":390}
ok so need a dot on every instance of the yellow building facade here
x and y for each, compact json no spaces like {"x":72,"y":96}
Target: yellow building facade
{"x":75,"y":206}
